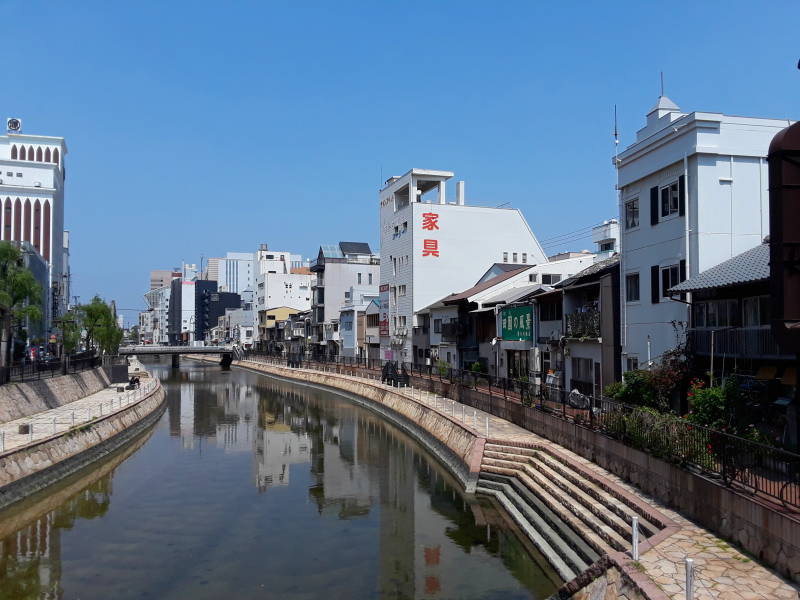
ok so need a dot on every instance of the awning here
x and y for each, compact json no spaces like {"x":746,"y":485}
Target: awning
{"x":484,"y":309}
{"x":766,"y":373}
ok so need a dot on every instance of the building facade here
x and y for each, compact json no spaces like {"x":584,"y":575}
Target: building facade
{"x":431,"y":248}
{"x":32,"y":179}
{"x":692,"y":193}
{"x":337,"y":269}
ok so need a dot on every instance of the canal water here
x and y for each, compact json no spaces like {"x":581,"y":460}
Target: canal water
{"x":249,"y":487}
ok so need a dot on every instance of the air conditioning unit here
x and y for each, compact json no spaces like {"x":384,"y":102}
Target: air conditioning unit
{"x":37,"y":184}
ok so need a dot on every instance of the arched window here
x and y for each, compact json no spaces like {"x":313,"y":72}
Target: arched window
{"x":14,"y":152}
{"x":37,"y":227}
{"x":39,"y":154}
{"x":30,"y":153}
{"x":46,"y":226}
{"x":47,"y":155}
{"x":17,"y":220}
{"x":55,"y":155}
{"x":22,"y":152}
{"x":7,"y":220}
{"x":26,"y":226}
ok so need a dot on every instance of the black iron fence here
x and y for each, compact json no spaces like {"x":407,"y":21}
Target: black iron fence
{"x":33,"y":370}
{"x":737,"y":462}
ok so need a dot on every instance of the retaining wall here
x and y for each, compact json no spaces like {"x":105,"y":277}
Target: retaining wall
{"x":32,"y":467}
{"x":18,"y":400}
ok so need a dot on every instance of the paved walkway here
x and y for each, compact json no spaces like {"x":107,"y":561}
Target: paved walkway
{"x":721,"y":571}
{"x":57,"y":420}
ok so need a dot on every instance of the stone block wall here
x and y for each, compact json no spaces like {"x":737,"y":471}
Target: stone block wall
{"x":19,"y":400}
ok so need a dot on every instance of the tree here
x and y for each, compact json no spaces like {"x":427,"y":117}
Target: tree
{"x":71,"y":328}
{"x":20,"y":297}
{"x":102,"y":331}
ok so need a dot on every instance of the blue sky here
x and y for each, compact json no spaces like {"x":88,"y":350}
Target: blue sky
{"x":196,"y":128}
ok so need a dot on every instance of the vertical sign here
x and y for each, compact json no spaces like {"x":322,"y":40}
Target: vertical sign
{"x":383,"y":322}
{"x":430,"y":223}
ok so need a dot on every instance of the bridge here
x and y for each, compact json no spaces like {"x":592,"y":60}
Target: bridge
{"x":176,"y":351}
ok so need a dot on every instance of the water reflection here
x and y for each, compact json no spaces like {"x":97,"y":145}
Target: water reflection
{"x":385,"y":520}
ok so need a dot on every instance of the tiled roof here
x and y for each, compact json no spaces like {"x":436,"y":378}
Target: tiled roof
{"x":590,"y":272}
{"x":485,"y":285}
{"x":751,"y":265}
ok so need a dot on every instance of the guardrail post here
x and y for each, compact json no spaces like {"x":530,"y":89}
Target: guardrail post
{"x":487,"y":427}
{"x":635,"y":538}
{"x":30,"y":433}
{"x":54,"y":424}
{"x":689,"y":578}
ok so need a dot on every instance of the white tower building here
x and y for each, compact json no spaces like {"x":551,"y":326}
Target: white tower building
{"x":693,"y":192}
{"x":32,"y":201}
{"x":430,"y":249}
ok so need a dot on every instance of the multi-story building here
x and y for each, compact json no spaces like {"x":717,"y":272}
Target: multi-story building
{"x":337,"y":269}
{"x":432,"y":248}
{"x":692,"y":193}
{"x":194,"y":308}
{"x":32,"y":199}
{"x":235,"y":272}
{"x":282,"y":279}
{"x":160,"y":278}
{"x":158,"y":310}
{"x":352,"y":321}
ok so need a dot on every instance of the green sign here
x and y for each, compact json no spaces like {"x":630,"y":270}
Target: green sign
{"x":517,"y":323}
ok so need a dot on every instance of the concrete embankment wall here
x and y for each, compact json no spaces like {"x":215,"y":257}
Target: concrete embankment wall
{"x":18,"y":400}
{"x":457,"y":446}
{"x":32,"y":467}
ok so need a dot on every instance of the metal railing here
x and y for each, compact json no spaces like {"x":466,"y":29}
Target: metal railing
{"x":742,"y":342}
{"x":40,"y":426}
{"x":43,"y":369}
{"x":736,"y":462}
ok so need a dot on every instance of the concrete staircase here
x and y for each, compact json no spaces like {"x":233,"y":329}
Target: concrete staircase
{"x":572,"y":517}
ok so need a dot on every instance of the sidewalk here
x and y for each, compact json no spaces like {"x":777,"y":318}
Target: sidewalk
{"x":721,"y":571}
{"x":52,"y":422}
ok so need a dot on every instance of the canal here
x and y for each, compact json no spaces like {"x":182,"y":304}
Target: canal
{"x":249,"y":487}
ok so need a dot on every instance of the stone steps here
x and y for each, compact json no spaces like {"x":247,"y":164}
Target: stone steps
{"x":564,"y":570}
{"x":587,"y":517}
{"x":587,"y":484}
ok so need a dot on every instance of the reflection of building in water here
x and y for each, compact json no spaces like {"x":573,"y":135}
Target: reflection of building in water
{"x":30,"y":559}
{"x":187,"y":415}
{"x":277,"y":447}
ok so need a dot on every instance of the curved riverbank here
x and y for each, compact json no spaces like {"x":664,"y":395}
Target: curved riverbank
{"x":28,"y":468}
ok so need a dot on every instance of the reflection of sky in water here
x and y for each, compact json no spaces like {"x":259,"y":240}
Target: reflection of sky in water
{"x":253,"y":488}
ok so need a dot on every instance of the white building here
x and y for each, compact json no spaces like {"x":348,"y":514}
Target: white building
{"x":352,"y":321}
{"x":32,"y":201}
{"x":692,"y":193}
{"x":434,"y":248}
{"x":158,"y":308}
{"x":235,"y":272}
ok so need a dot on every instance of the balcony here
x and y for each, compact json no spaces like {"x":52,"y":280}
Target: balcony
{"x":739,"y":342}
{"x":584,"y":324}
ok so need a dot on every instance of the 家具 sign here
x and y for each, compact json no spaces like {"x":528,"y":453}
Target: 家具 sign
{"x":517,"y":323}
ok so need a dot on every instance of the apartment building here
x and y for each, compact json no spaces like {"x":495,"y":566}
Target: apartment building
{"x":338,"y":269}
{"x":432,"y":247}
{"x":692,"y":193}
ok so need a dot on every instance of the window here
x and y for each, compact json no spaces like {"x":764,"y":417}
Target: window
{"x":369,"y":278}
{"x":533,"y":277}
{"x":631,"y":363}
{"x":401,"y":290}
{"x":756,"y":311}
{"x":670,"y":276}
{"x":524,"y":258}
{"x":405,"y":227}
{"x":402,"y":320}
{"x":359,"y":279}
{"x":347,"y":295}
{"x":632,"y":213}
{"x":545,"y":361}
{"x":437,"y":326}
{"x":550,"y":311}
{"x":719,"y":313}
{"x":505,"y":257}
{"x":514,"y":258}
{"x":669,"y":199}
{"x":550,"y":278}
{"x":394,"y":266}
{"x":606,"y":246}
{"x":448,"y":358}
{"x":632,"y":287}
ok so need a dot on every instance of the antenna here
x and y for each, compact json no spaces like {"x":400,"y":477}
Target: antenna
{"x":616,"y":131}
{"x":662,"y":83}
